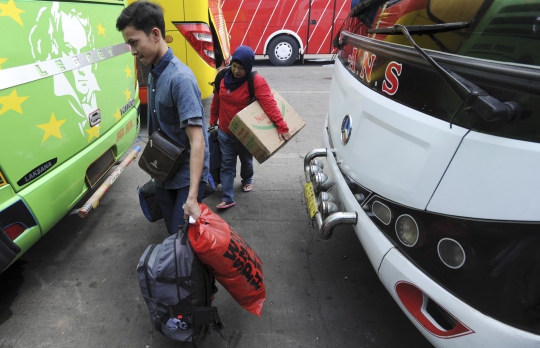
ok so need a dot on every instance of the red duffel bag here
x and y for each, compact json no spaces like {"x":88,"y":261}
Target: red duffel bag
{"x":233,"y":263}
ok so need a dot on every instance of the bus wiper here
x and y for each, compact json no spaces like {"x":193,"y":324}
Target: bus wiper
{"x":472,"y":96}
{"x":420,"y":29}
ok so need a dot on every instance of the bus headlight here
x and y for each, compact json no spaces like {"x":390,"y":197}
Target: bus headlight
{"x":382,"y":212}
{"x":407,"y":230}
{"x":451,"y":253}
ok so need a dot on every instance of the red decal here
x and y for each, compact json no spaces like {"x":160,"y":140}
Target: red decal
{"x":260,"y":117}
{"x":129,"y":125}
{"x":391,"y":82}
{"x":367,"y":65}
{"x":121,"y":132}
{"x":352,"y":60}
{"x":119,"y":135}
{"x":414,"y":300}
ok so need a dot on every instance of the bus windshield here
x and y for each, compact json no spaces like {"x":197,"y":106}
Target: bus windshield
{"x":498,"y":30}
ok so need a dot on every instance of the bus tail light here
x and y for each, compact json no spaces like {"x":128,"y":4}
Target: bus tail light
{"x":200,"y":38}
{"x":16,"y":218}
{"x":14,"y":230}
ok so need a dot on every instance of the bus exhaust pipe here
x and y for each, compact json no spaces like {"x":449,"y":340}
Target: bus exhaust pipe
{"x":93,"y":201}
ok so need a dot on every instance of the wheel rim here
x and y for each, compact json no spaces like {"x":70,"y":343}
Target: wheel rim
{"x":283,"y":51}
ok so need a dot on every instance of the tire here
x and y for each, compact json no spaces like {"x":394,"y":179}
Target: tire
{"x":283,"y":50}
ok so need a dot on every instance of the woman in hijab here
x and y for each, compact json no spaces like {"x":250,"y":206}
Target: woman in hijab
{"x":231,"y":97}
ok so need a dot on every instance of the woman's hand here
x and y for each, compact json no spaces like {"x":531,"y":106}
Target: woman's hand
{"x":284,"y":136}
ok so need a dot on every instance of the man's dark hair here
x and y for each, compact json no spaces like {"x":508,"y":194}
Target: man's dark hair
{"x":142,"y":15}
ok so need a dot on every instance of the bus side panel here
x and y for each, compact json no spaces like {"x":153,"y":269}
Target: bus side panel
{"x":320,"y":27}
{"x":45,"y":122}
{"x":264,"y":18}
{"x":65,"y":186}
{"x":53,"y":127}
{"x":251,"y":23}
{"x":245,"y":21}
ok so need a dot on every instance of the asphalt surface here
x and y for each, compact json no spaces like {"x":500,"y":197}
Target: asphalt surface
{"x":78,"y":287}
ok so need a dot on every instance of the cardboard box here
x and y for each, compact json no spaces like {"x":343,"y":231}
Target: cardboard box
{"x":258,"y":133}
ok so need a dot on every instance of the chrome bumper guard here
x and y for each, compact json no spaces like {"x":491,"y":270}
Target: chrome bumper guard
{"x":319,"y":202}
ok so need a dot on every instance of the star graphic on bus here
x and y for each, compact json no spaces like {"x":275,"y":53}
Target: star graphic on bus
{"x":12,"y":11}
{"x":12,"y":102}
{"x":52,"y":128}
{"x":101,"y":30}
{"x":127,"y":70}
{"x":2,"y":61}
{"x":93,"y":132}
{"x":117,"y":115}
{"x":127,"y":93}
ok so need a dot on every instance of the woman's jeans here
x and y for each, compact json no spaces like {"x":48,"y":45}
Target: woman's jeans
{"x":230,"y":148}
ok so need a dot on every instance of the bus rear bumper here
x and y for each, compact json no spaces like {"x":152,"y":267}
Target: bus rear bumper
{"x":442,"y":318}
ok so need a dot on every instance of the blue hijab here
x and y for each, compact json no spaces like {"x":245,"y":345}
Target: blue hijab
{"x":244,"y":56}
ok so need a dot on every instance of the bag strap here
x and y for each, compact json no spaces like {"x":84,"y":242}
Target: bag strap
{"x":217,"y":81}
{"x":251,"y":86}
{"x":183,"y":232}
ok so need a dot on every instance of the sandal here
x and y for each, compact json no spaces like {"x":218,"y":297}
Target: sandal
{"x":225,"y":205}
{"x":247,"y":187}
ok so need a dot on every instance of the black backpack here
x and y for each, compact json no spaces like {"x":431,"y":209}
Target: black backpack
{"x":251,"y":85}
{"x":178,"y":289}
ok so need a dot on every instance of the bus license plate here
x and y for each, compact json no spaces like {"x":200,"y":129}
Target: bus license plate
{"x":310,"y":199}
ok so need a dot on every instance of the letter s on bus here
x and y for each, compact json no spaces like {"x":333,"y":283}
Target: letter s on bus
{"x":391,"y":82}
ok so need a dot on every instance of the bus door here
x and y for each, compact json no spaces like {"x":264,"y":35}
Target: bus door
{"x":321,"y":25}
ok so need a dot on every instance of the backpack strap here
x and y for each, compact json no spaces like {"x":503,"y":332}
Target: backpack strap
{"x":217,"y":81}
{"x":251,"y":86}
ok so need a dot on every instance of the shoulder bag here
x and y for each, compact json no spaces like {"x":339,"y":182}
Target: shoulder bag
{"x":162,"y":157}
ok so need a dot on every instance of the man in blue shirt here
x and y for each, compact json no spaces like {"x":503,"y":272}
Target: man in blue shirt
{"x":174,"y":107}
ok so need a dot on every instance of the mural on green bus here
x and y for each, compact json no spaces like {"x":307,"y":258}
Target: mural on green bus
{"x":68,"y":97}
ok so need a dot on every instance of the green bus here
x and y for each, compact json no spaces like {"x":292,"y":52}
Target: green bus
{"x":68,"y":111}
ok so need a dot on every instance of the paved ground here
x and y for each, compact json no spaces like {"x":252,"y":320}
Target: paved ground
{"x":77,"y":287}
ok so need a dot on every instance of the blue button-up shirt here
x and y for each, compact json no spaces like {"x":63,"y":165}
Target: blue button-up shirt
{"x":174,"y":102}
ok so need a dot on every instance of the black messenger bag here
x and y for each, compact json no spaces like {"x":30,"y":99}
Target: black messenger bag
{"x":162,"y":157}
